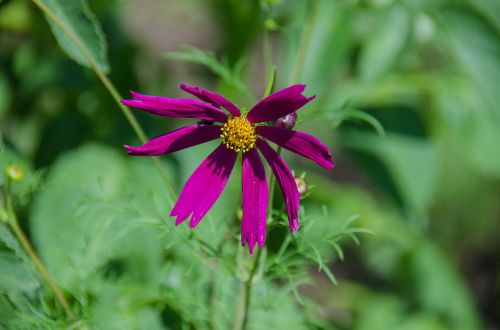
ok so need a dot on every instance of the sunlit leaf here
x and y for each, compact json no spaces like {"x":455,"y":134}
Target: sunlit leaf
{"x":77,"y":31}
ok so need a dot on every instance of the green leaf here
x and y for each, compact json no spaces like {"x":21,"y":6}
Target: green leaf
{"x":386,"y":44}
{"x":439,"y":287}
{"x":353,"y":114}
{"x":14,"y":275}
{"x":77,"y":31}
{"x":490,"y":9}
{"x":220,"y":68}
{"x":477,"y":47}
{"x":11,"y":242}
{"x":412,"y":163}
{"x":17,"y":272}
{"x":328,"y":49}
{"x":95,"y":213}
{"x":427,"y":279}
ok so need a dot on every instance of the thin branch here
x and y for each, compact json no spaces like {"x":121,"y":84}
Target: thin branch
{"x":241,"y":317}
{"x":109,"y":86}
{"x":21,"y":236}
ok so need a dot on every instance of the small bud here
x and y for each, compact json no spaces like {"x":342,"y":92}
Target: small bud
{"x":271,"y":25}
{"x":302,"y":186}
{"x":287,"y":121}
{"x":14,"y":172}
{"x":239,"y":214}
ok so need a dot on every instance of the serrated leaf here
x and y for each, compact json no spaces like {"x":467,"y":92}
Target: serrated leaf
{"x":219,"y":67}
{"x":77,"y":31}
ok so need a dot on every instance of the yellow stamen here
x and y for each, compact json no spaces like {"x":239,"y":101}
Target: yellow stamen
{"x":238,"y":134}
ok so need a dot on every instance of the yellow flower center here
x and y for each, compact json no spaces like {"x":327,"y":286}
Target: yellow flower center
{"x":238,"y":134}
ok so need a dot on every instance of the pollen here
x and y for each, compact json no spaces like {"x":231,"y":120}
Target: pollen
{"x":238,"y":134}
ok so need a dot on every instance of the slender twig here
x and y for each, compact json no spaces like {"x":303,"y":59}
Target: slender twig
{"x":248,"y":289}
{"x":241,"y":318}
{"x":213,"y":297}
{"x":272,"y":186}
{"x":109,"y":86}
{"x":283,"y":247}
{"x":304,"y":43}
{"x":267,"y":50}
{"x":21,"y":236}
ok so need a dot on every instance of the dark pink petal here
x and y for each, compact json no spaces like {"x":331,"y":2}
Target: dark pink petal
{"x":286,"y":181}
{"x":176,"y":108}
{"x":301,"y":143}
{"x":204,"y":186}
{"x":279,"y":104}
{"x":179,"y":139}
{"x":255,"y":195}
{"x":212,"y":98}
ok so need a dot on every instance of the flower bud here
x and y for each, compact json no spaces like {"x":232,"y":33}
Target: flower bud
{"x":271,"y":25}
{"x":287,"y":121}
{"x":14,"y":172}
{"x":301,"y":186}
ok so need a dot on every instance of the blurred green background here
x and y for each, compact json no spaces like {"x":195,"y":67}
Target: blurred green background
{"x":407,"y":99}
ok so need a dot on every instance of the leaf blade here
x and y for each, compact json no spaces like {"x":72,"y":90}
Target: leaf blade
{"x":77,"y":31}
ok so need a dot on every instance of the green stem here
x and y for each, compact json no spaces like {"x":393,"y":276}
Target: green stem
{"x":109,"y":86}
{"x":270,"y":82}
{"x":267,"y":50}
{"x":282,"y":249}
{"x":304,"y":43}
{"x":272,"y":186}
{"x":241,"y":318}
{"x":248,"y":289}
{"x":30,"y":251}
{"x":213,"y":298}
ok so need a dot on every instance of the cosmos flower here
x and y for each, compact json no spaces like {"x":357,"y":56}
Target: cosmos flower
{"x":238,"y":132}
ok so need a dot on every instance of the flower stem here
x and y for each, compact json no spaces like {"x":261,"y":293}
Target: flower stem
{"x":248,"y":289}
{"x":25,"y":243}
{"x":109,"y":86}
{"x":213,"y":298}
{"x":241,"y":318}
{"x":272,"y":186}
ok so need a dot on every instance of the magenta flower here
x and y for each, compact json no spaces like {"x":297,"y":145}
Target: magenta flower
{"x":238,"y":132}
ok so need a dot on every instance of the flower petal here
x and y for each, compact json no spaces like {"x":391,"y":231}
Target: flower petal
{"x":179,"y":139}
{"x":279,"y":104}
{"x":204,"y":186}
{"x":212,"y":98}
{"x":286,"y":182}
{"x":176,"y":108}
{"x":255,"y":196}
{"x":301,"y":143}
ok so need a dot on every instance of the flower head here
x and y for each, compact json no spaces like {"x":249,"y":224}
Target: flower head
{"x":246,"y":133}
